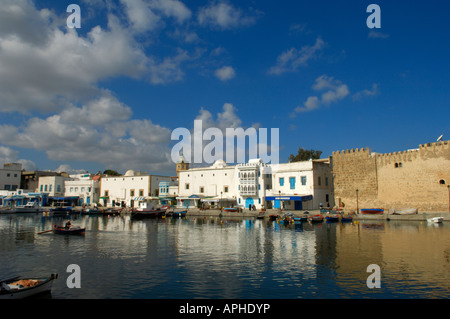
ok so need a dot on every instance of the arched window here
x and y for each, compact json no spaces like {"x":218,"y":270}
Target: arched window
{"x":442,"y":182}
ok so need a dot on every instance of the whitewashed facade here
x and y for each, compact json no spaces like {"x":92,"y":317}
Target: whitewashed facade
{"x":52,"y":185}
{"x":295,"y":186}
{"x":302,"y":185}
{"x":87,"y":190}
{"x":129,"y":190}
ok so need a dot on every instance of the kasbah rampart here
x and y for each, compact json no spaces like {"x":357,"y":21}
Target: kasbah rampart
{"x":418,"y":178}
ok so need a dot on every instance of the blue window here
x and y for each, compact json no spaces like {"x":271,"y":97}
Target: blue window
{"x":292,"y":182}
{"x":239,"y":200}
{"x":281,"y":181}
{"x":303,"y":180}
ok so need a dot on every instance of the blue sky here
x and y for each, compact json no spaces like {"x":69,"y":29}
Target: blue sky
{"x":108,"y":95}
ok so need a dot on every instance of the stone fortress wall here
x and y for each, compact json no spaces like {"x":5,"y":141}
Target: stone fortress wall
{"x":418,"y":178}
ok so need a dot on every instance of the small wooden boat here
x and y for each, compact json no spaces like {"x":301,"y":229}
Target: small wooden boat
{"x":17,"y":288}
{"x":157,"y":213}
{"x":405,"y":211}
{"x":332,"y":218}
{"x":346,"y":218}
{"x":231,"y":209}
{"x":372,"y":211}
{"x":435,"y":220}
{"x":68,"y":231}
{"x":300,"y":219}
{"x":316,"y":219}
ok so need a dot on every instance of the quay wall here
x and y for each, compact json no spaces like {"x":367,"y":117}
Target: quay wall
{"x":416,"y":178}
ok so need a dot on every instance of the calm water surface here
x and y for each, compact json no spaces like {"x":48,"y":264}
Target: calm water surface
{"x":229,"y":258}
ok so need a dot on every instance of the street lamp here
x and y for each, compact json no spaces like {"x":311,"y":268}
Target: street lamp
{"x":357,"y":201}
{"x":221,"y":207}
{"x":279,"y":198}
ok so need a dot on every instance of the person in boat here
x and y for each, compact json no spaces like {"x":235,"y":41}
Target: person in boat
{"x":68,"y":224}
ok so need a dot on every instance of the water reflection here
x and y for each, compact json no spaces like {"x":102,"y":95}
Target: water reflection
{"x":230,"y":257}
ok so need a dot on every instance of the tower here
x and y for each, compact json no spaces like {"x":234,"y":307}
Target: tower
{"x":181,"y":165}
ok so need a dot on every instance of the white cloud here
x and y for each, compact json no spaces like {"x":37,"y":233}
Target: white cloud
{"x":225,"y":73}
{"x":377,"y":35}
{"x":335,"y":91}
{"x":149,"y":15}
{"x":366,"y":92}
{"x":224,"y":16}
{"x":8,"y":155}
{"x":292,"y":59}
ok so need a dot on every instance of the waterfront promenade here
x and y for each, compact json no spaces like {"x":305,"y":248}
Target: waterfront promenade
{"x":420,"y":216}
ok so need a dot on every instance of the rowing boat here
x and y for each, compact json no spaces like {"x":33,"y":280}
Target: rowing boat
{"x":68,"y":231}
{"x":19,"y":288}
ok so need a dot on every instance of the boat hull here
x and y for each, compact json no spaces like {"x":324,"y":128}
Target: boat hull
{"x":316,"y":219}
{"x":44,"y":286}
{"x":372,"y":211}
{"x":70,"y":231}
{"x":411,"y":211}
{"x":148,"y":214}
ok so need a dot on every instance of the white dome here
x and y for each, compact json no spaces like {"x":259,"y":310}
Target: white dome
{"x":219,"y":164}
{"x":130,"y":172}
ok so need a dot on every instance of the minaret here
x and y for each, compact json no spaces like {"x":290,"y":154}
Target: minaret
{"x":182,"y":165}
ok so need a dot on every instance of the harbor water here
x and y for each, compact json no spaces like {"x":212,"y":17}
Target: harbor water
{"x":229,"y":258}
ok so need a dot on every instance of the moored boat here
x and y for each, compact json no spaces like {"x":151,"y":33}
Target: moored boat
{"x":346,"y":218}
{"x":332,"y":218}
{"x":435,"y":220}
{"x":156,"y":213}
{"x":316,"y":219}
{"x":17,"y":288}
{"x":372,"y":211}
{"x":405,"y":211}
{"x":68,"y":231}
{"x":231,"y":209}
{"x":30,"y":207}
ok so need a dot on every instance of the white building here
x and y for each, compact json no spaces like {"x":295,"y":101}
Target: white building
{"x":10,"y":176}
{"x":207,"y":186}
{"x":52,"y":185}
{"x":130,"y":189}
{"x":301,"y":185}
{"x":86,"y":189}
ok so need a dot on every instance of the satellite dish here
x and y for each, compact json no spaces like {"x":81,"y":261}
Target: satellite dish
{"x":439,"y":138}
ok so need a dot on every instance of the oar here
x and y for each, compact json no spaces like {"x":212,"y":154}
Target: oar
{"x":47,"y":231}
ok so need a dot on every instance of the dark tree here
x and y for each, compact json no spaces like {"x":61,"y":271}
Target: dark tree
{"x":111,"y":172}
{"x":305,"y":155}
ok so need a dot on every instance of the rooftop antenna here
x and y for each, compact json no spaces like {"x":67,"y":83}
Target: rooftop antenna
{"x":440,"y":138}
